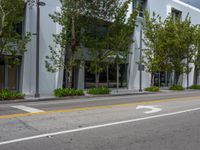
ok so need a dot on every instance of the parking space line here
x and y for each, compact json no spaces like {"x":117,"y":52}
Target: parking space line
{"x":27,"y":109}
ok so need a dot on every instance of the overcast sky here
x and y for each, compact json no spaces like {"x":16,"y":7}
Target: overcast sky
{"x":195,"y":3}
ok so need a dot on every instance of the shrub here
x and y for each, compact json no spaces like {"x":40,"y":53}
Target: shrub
{"x":152,"y":89}
{"x":63,"y":92}
{"x":176,"y":87}
{"x":99,"y":91}
{"x":6,"y":94}
{"x":195,"y":87}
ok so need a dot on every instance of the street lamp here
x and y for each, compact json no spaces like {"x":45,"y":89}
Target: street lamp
{"x":141,"y":67}
{"x":38,"y":4}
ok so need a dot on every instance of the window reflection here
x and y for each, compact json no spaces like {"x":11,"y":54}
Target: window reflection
{"x":9,"y":76}
{"x":108,"y":78}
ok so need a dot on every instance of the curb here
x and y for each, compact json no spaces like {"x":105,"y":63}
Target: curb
{"x":72,"y":97}
{"x":87,"y":96}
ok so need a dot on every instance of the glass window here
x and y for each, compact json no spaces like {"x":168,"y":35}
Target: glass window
{"x":107,"y":77}
{"x":12,"y":78}
{"x":142,"y":3}
{"x":162,"y":79}
{"x":112,"y":76}
{"x":89,"y":77}
{"x":1,"y":76}
{"x":176,"y":14}
{"x":9,"y":76}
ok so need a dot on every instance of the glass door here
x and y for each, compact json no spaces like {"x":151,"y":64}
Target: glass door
{"x":9,"y":76}
{"x":162,"y":79}
{"x":2,"y":77}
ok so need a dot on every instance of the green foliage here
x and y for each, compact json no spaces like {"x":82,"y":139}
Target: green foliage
{"x":152,"y":89}
{"x":11,"y":42}
{"x":176,"y":87}
{"x":120,"y":35}
{"x":104,"y":45}
{"x":10,"y":95}
{"x":99,"y":91}
{"x":197,"y":46}
{"x":63,"y":92}
{"x":170,"y":44}
{"x":77,"y":17}
{"x":95,"y":36}
{"x":197,"y":87}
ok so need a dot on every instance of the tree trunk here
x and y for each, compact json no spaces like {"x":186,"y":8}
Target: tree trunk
{"x":97,"y":75}
{"x":107,"y":76}
{"x":152,"y":79}
{"x":70,"y":57}
{"x":117,"y":77}
{"x":196,"y":75}
{"x":69,"y":78}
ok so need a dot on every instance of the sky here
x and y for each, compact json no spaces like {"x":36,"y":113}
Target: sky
{"x":195,"y":3}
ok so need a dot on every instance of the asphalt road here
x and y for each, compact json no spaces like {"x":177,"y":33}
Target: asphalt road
{"x":167,"y":121}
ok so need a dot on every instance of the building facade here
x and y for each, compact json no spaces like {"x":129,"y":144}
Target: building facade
{"x":129,"y":73}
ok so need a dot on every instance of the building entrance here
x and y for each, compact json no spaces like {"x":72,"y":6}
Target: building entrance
{"x":162,"y":79}
{"x":9,"y":76}
{"x":108,"y":77}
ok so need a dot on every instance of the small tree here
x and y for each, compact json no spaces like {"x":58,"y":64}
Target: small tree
{"x":12,"y":43}
{"x":74,"y":17}
{"x":95,"y":35}
{"x":170,"y":46}
{"x":63,"y":56}
{"x":154,"y":57}
{"x":197,"y":53}
{"x":120,"y":35}
{"x":110,"y":38}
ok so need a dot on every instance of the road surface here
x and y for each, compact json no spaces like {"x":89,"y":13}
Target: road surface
{"x":165,"y":121}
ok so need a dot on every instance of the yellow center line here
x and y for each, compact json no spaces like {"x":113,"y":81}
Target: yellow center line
{"x":96,"y":107}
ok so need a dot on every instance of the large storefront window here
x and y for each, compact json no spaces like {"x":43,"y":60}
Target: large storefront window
{"x":9,"y":76}
{"x":2,"y":74}
{"x":108,"y":78}
{"x":162,"y":79}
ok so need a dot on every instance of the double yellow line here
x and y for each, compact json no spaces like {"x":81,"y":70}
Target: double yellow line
{"x":10,"y":116}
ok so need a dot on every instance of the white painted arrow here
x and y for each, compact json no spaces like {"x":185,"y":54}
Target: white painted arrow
{"x":154,"y":109}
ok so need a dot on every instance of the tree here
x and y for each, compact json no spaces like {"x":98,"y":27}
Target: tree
{"x":74,"y":17}
{"x":62,"y":56}
{"x":197,"y":53}
{"x":120,"y":34}
{"x":95,"y":36}
{"x":109,"y":39}
{"x":170,"y":45}
{"x":155,"y":57}
{"x":12,"y":43}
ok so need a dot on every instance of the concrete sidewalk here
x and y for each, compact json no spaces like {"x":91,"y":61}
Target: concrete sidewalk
{"x":115,"y":92}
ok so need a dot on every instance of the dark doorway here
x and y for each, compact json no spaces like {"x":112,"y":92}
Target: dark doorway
{"x":9,"y":75}
{"x":162,"y":79}
{"x":108,"y":78}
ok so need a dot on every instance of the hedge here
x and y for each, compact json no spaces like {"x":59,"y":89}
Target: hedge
{"x":63,"y":92}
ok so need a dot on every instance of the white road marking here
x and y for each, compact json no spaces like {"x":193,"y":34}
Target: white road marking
{"x":27,"y":109}
{"x":154,"y":109}
{"x":95,"y":127}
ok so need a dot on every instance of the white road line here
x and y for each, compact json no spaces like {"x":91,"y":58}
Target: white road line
{"x":27,"y":109}
{"x":95,"y":127}
{"x":154,"y":109}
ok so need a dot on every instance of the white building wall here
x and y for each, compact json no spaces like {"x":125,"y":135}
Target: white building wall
{"x":163,"y":8}
{"x":47,"y":81}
